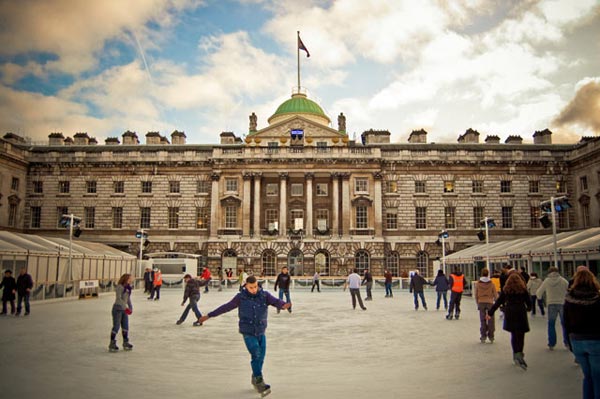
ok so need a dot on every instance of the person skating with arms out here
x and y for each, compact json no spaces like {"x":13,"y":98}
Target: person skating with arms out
{"x":252,"y":304}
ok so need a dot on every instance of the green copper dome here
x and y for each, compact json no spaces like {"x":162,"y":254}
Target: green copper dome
{"x":299,"y":105}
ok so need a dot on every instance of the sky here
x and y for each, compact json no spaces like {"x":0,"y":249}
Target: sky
{"x":203,"y":66}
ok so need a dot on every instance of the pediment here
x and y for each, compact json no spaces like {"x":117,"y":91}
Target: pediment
{"x":231,"y":199}
{"x":283,"y":129}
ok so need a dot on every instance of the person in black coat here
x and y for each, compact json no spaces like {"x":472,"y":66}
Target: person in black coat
{"x":416,"y":288}
{"x":8,"y":295}
{"x":283,"y":282}
{"x":148,"y":280}
{"x":24,"y":286}
{"x":441,"y":285}
{"x":517,"y":303}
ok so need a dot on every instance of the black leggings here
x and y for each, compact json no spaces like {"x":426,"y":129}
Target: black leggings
{"x":517,"y":340}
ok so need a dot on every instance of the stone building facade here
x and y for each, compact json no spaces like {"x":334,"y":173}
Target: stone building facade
{"x":298,"y":192}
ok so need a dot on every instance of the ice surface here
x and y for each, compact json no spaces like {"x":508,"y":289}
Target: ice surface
{"x":324,"y":349}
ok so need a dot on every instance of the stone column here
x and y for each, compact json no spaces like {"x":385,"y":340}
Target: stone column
{"x":215,"y":208}
{"x":335,"y":204}
{"x":256,"y":224}
{"x":346,"y":210}
{"x":309,"y":204}
{"x":377,"y":204}
{"x":246,"y":216}
{"x":283,"y":204}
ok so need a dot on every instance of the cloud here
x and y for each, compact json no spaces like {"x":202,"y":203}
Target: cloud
{"x":583,"y":111}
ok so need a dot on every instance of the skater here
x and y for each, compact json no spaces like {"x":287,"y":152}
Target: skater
{"x":148,"y":279}
{"x":416,"y":288}
{"x":457,"y":283}
{"x":388,"y":284}
{"x":121,"y":310}
{"x":156,"y":285}
{"x":533,"y":285}
{"x":8,"y":294}
{"x":316,"y":282}
{"x":206,"y":276}
{"x":283,"y":282}
{"x":253,"y":304}
{"x":555,"y":288}
{"x":191,"y":292}
{"x":582,"y":323}
{"x":517,"y":303}
{"x":441,"y":288}
{"x":485,"y":296}
{"x":242,"y":277}
{"x":354,"y":283}
{"x":368,"y":281}
{"x":24,"y":286}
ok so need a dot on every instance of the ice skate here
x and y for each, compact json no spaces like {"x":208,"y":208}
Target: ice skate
{"x":520,"y":360}
{"x":127,"y":346}
{"x":112,"y":347}
{"x":262,"y":388}
{"x":449,"y":317}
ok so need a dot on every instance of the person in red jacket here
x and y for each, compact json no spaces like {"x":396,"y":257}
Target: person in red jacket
{"x":457,"y":286}
{"x":206,"y":276}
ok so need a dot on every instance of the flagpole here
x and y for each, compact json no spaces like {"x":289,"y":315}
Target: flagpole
{"x":298,"y":55}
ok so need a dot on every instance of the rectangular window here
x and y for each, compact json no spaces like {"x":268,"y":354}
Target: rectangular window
{"x":230,"y":217}
{"x":391,"y":219}
{"x":119,"y":187}
{"x":534,"y":186}
{"x":272,"y":189}
{"x":297,"y":219}
{"x":505,"y":186}
{"x":64,"y":187}
{"x":391,"y":186}
{"x":478,"y":216}
{"x":322,"y":189}
{"x":297,"y":190}
{"x":90,"y":187}
{"x":271,"y":219}
{"x":146,"y":187}
{"x":477,"y":186}
{"x":534,"y":217}
{"x":117,"y":218}
{"x":202,"y":187}
{"x":61,"y":210}
{"x":174,"y":187}
{"x":173,"y":217}
{"x":583,"y":183}
{"x":507,"y":217}
{"x":321,"y":146}
{"x":361,"y":217}
{"x":12,"y":215}
{"x":561,"y":186}
{"x":231,"y":185}
{"x":322,"y":219}
{"x":203,"y":217}
{"x":14,"y":185}
{"x":89,"y":217}
{"x":36,"y":217}
{"x":272,"y":147}
{"x":145,"y":217}
{"x":420,"y":217}
{"x":585,"y":214}
{"x":38,"y":187}
{"x":420,"y":186}
{"x":450,"y":217}
{"x":361,"y":185}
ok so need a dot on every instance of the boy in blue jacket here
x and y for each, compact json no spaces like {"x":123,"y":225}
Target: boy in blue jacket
{"x":252,"y":303}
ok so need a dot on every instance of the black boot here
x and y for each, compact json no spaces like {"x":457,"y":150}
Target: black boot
{"x":112,"y":347}
{"x":126,"y":345}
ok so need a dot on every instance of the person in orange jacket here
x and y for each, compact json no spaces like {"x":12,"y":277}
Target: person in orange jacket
{"x":206,"y":276}
{"x":156,"y":285}
{"x":457,"y":286}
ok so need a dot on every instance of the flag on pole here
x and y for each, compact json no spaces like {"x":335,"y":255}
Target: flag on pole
{"x":301,"y":46}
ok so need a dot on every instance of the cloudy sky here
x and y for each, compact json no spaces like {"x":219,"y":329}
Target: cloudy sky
{"x":202,"y":66}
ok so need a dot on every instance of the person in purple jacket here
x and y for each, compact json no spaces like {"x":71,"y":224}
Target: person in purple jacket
{"x":252,"y":303}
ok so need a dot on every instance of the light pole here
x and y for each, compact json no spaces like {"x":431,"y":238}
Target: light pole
{"x":489,"y":224}
{"x":142,"y":235}
{"x":442,"y":236}
{"x":70,"y":221}
{"x":553,"y":206}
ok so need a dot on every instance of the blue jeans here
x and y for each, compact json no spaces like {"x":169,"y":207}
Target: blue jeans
{"x":20,"y":299}
{"x":540,"y":302}
{"x":192,"y":305}
{"x":416,"y":296}
{"x":587,"y":354}
{"x":287,"y":296}
{"x":257,"y":347}
{"x":440,"y":295}
{"x":555,"y":310}
{"x":388,"y":289}
{"x":120,"y":320}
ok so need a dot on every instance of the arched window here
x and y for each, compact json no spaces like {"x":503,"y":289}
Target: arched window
{"x":296,"y":262}
{"x":361,"y":261}
{"x":392,"y":263}
{"x":422,"y":263}
{"x":228,"y":260}
{"x":269,"y":262}
{"x":322,"y":263}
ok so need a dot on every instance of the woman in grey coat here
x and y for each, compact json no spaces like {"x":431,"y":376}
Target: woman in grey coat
{"x":121,"y":310}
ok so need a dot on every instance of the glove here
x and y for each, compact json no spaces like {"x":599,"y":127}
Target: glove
{"x":128,"y":311}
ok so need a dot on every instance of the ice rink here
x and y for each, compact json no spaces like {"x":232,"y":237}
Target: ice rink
{"x":324,"y":349}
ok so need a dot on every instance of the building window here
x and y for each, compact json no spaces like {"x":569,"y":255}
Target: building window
{"x":64,"y":187}
{"x":422,"y":263}
{"x":583,"y":183}
{"x":585,"y":214}
{"x":269,"y":261}
{"x":119,"y":187}
{"x":271,"y":217}
{"x":173,"y":217}
{"x":297,"y":219}
{"x":392,"y":263}
{"x":322,"y":189}
{"x":36,"y":217}
{"x":297,"y":190}
{"x":146,"y":187}
{"x":117,"y":218}
{"x":507,"y":217}
{"x":231,"y":185}
{"x":478,"y":216}
{"x":391,"y":186}
{"x":202,"y":217}
{"x":361,"y":217}
{"x":322,"y":219}
{"x":90,"y":187}
{"x":361,"y":260}
{"x":505,"y":186}
{"x":421,"y":217}
{"x":61,"y":210}
{"x":477,"y":186}
{"x":272,"y":147}
{"x":231,"y":217}
{"x":450,"y":217}
{"x":145,"y":217}
{"x":322,"y":263}
{"x":361,"y":185}
{"x":38,"y":187}
{"x":391,"y":219}
{"x":14,"y":185}
{"x":561,"y":186}
{"x":449,"y":186}
{"x":534,"y":217}
{"x":321,"y":146}
{"x":534,"y":186}
{"x":202,"y":187}
{"x":174,"y":187}
{"x":12,"y":215}
{"x":89,"y":217}
{"x":272,"y":189}
{"x":420,"y":186}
